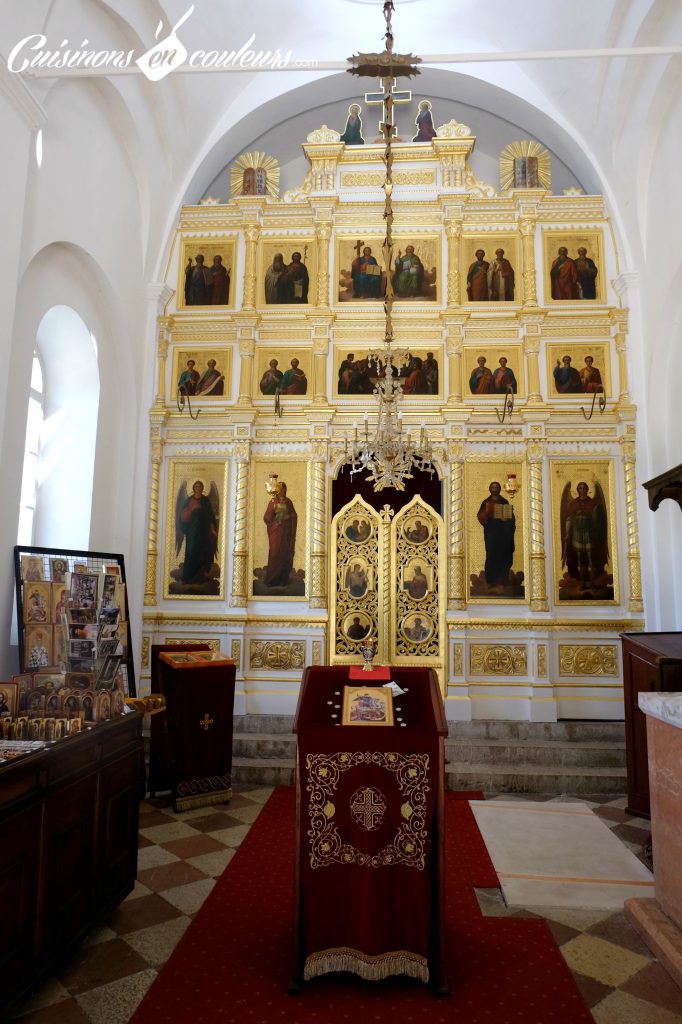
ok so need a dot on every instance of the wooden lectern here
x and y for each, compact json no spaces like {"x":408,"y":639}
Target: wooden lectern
{"x":199,"y":691}
{"x":369,"y":876}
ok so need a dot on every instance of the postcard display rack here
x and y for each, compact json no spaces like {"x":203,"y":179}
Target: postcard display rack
{"x":75,"y":652}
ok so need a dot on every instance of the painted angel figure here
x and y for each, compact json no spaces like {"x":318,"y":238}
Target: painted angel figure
{"x":196,"y":522}
{"x":584,"y":533}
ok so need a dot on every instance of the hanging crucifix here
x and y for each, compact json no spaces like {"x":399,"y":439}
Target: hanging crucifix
{"x":397,"y":95}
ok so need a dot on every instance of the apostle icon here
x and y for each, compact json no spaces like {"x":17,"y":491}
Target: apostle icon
{"x":567,"y":380}
{"x":503,"y":378}
{"x":357,"y":580}
{"x":357,"y":626}
{"x":477,"y":278}
{"x":358,"y":530}
{"x":564,"y":276}
{"x":416,"y":531}
{"x":424,"y":123}
{"x":287,"y":283}
{"x":586,"y":269}
{"x":408,"y":277}
{"x":352,"y":133}
{"x":591,"y":377}
{"x":418,"y":628}
{"x":481,"y":381}
{"x":501,"y":278}
{"x":416,"y":581}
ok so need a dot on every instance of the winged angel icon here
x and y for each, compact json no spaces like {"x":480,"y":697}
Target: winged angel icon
{"x":197,"y":518}
{"x":584,"y":545}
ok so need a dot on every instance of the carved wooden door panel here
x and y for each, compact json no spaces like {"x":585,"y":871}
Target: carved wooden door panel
{"x":389,"y":585}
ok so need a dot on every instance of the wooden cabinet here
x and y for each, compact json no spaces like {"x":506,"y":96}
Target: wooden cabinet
{"x":68,"y":846}
{"x":651,"y":662}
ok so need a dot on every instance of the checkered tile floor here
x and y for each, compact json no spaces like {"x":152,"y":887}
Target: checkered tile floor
{"x":181,"y":855}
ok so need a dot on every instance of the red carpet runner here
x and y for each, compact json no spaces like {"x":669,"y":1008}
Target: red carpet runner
{"x":232,"y":965}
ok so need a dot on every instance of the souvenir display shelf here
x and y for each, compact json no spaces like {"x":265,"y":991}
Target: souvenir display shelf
{"x":69,"y":814}
{"x":95,"y":561}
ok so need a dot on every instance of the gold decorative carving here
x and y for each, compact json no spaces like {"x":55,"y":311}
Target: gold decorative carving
{"x":498,"y":660}
{"x":323,"y":135}
{"x":542,"y":659}
{"x":144,"y":654}
{"x":416,"y":613}
{"x":277,"y":654}
{"x":317,"y":652}
{"x":527,"y":229}
{"x":153,"y":526}
{"x":588,"y":660}
{"x":408,"y":846}
{"x":453,"y":230}
{"x":453,"y":130}
{"x":458,"y":659}
{"x":538,"y":586}
{"x":212,"y":642}
{"x":635,"y":603}
{"x":236,"y":652}
{"x":251,"y":235}
{"x":239,"y":596}
{"x":456,"y":575}
{"x":354,"y":179}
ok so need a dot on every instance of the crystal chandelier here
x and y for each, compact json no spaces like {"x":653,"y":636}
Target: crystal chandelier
{"x":389,"y":456}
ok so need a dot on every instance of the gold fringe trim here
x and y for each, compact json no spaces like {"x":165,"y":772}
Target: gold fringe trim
{"x":188,"y":803}
{"x":371,"y":968}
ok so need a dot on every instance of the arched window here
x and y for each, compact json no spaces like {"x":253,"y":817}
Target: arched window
{"x":65,"y":459}
{"x":29,"y":479}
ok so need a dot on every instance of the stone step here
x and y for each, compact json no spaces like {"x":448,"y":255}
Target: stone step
{"x":602,"y":753}
{"x":529,"y":779}
{"x":270,"y":771}
{"x":554,"y":754}
{"x":567,"y":730}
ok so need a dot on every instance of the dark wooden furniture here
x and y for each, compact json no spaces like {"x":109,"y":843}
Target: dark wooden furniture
{"x":199,"y":711}
{"x":651,"y":662}
{"x":160,"y":776}
{"x":370,"y":889}
{"x":667,"y":485}
{"x":68,"y":846}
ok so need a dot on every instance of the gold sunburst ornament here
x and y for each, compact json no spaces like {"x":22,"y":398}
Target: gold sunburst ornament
{"x":525,"y":164}
{"x":254,"y":174}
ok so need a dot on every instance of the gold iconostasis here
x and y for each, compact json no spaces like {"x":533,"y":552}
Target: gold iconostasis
{"x":517,"y":372}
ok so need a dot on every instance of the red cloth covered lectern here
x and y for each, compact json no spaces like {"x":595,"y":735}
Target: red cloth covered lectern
{"x":199,"y":691}
{"x":369,"y":857}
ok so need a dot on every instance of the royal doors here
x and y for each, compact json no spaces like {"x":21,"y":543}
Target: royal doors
{"x":389,"y":585}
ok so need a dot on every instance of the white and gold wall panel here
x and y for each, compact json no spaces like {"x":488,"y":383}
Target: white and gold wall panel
{"x":528,"y":634}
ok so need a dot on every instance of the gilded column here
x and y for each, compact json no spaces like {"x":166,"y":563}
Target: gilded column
{"x":456,"y":567}
{"x":527,"y":227}
{"x":322,"y":235}
{"x":538,"y":582}
{"x":240,"y":597}
{"x":251,"y":235}
{"x":620,"y":319}
{"x":454,"y":337}
{"x":247,"y":350}
{"x":165,"y":326}
{"x":384,"y":653}
{"x":634,"y":566}
{"x":150,"y":595}
{"x":318,"y":540}
{"x":532,"y":336}
{"x":320,"y":353}
{"x":453,"y":230}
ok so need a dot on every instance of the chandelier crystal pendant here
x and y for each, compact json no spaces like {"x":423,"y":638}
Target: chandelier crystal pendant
{"x":389,"y":456}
